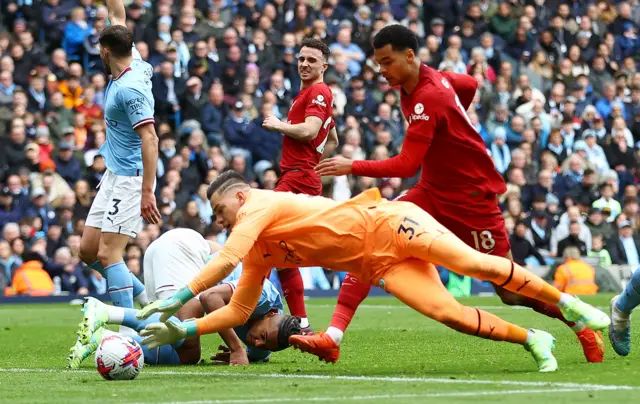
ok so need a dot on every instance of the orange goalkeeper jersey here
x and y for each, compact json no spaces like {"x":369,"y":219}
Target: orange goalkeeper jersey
{"x":365,"y":236}
{"x":282,"y":230}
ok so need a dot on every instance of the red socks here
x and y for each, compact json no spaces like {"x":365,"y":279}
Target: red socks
{"x":352,"y":293}
{"x":548,"y":310}
{"x":293,"y":290}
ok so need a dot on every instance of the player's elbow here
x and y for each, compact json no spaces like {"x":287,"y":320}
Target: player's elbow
{"x":149,"y":138}
{"x":309,"y":135}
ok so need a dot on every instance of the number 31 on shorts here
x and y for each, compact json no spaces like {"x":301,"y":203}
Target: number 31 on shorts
{"x":483,"y":239}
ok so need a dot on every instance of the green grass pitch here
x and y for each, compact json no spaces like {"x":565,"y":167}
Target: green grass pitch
{"x":390,"y":354}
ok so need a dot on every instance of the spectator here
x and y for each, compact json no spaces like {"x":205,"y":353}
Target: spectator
{"x":539,"y":231}
{"x":9,"y":264}
{"x":214,"y":113}
{"x":575,"y":276}
{"x":9,"y":211}
{"x":15,"y":148}
{"x":607,"y":201}
{"x":75,"y":33}
{"x":521,"y":248}
{"x":31,"y":278}
{"x":624,"y":247}
{"x":351,"y":51}
{"x":237,"y":131}
{"x":503,"y":23}
{"x":67,"y":165}
{"x":598,"y":251}
{"x":598,"y":225}
{"x":72,"y":277}
{"x":500,"y":151}
{"x":193,"y":100}
{"x":572,"y":240}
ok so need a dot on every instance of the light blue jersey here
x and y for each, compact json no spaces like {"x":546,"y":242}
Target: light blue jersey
{"x":128,"y":104}
{"x":270,"y":300}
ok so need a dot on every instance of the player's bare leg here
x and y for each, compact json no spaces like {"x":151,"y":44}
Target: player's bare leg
{"x":293,"y":290}
{"x":89,"y":245}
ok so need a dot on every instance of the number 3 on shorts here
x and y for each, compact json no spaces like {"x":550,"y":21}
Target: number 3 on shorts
{"x":483,"y":239}
{"x":116,"y":209}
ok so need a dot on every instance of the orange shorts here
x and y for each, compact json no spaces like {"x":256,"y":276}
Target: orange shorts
{"x":400,"y":226}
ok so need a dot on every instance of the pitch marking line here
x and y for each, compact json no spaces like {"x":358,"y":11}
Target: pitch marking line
{"x":402,"y":307}
{"x":557,"y":385}
{"x":379,"y":396}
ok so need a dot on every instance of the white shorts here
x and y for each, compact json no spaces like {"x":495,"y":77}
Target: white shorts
{"x":172,"y":261}
{"x":116,"y":207}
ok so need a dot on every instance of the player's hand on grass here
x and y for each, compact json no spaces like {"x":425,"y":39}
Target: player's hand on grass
{"x":148,"y":207}
{"x":271,"y":123}
{"x":158,"y":334}
{"x":334,"y":166}
{"x":222,"y":356}
{"x":228,"y":357}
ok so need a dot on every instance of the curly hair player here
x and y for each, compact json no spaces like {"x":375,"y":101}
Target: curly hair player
{"x":458,"y":185}
{"x":390,"y":244}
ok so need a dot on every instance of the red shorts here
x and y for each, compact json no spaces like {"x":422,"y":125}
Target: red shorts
{"x":477,"y":221}
{"x":300,"y":182}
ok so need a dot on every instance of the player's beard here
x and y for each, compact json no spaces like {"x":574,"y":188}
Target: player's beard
{"x":105,"y":63}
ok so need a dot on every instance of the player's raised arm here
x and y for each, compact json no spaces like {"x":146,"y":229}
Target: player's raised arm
{"x":117,"y":13}
{"x":304,"y":132}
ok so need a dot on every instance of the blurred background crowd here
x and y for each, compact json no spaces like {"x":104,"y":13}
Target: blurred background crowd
{"x":558,"y":105}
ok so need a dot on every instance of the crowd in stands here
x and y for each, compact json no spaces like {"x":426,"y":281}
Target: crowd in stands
{"x":558,"y":106}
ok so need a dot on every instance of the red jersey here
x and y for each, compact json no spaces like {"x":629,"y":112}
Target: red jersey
{"x":441,"y":139}
{"x":316,"y":100}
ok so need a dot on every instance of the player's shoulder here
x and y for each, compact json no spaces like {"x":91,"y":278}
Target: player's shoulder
{"x":321,"y":88}
{"x":138,"y":76}
{"x":434,"y":90}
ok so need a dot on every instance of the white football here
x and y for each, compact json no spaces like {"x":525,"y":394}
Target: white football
{"x":119,"y":358}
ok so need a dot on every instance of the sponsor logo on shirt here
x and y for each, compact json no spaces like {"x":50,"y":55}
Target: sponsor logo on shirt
{"x":418,"y":115}
{"x":319,"y":100}
{"x":135,"y":105}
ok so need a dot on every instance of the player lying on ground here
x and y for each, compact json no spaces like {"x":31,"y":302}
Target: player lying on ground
{"x":391,"y":244}
{"x":458,"y":184}
{"x":125,"y":194}
{"x":171,"y":262}
{"x":621,"y":308}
